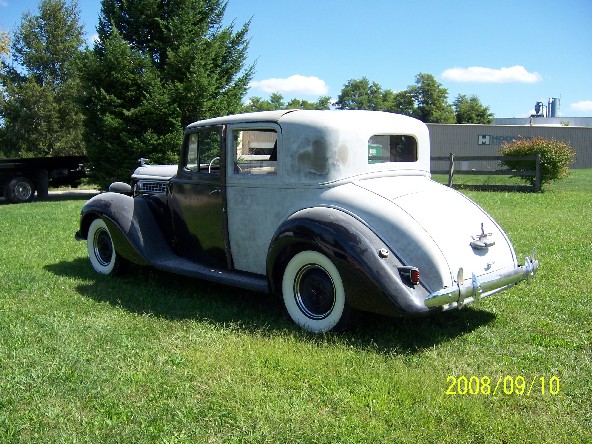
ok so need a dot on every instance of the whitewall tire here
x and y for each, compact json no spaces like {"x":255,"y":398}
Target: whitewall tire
{"x":313,"y":293}
{"x":101,"y":250}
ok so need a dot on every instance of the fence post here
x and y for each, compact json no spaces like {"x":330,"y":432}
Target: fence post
{"x":451,"y":170}
{"x":537,"y":183}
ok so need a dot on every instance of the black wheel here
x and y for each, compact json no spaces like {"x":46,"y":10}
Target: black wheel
{"x":101,"y":250}
{"x":19,"y":190}
{"x":313,"y":293}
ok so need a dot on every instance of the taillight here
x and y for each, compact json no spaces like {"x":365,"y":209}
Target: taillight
{"x":411,"y":274}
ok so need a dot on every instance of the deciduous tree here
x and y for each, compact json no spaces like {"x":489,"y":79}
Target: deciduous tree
{"x":431,"y":100}
{"x":400,"y":102}
{"x":469,"y":109}
{"x":257,"y":103}
{"x":4,"y":43}
{"x":276,"y":101}
{"x":324,"y":102}
{"x":360,"y":94}
{"x":363,"y":94}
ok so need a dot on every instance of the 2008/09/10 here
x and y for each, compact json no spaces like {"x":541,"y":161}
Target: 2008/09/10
{"x":506,"y":385}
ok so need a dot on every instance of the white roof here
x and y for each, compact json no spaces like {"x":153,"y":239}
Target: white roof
{"x":261,"y":116}
{"x":317,"y":118}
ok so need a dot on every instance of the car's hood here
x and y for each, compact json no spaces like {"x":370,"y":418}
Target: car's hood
{"x":156,"y":172}
{"x":435,"y":228}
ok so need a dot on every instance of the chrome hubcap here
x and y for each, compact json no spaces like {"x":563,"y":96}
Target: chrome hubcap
{"x":314,"y":291}
{"x":23,"y":191}
{"x":103,"y":247}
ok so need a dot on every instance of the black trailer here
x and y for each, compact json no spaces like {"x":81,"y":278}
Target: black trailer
{"x":20,"y":179}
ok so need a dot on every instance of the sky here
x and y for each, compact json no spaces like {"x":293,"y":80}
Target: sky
{"x":511,"y":54}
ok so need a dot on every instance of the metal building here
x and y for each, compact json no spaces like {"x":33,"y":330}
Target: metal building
{"x":486,"y":140}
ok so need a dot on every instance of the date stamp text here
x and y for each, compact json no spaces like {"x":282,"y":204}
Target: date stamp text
{"x":503,"y":385}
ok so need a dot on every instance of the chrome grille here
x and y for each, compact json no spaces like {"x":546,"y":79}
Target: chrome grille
{"x":151,"y":186}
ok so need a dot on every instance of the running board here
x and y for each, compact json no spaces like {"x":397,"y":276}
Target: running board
{"x":178,"y":265}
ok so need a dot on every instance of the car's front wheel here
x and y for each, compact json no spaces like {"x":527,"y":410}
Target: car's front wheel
{"x":313,"y":293}
{"x":101,"y":250}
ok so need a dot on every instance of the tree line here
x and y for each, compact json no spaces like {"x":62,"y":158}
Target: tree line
{"x":154,"y":67}
{"x":426,"y":100}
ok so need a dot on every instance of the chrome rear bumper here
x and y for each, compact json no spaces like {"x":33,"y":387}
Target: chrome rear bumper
{"x":481,"y":287}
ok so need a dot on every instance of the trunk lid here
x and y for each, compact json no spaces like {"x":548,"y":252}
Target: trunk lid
{"x":463,"y":232}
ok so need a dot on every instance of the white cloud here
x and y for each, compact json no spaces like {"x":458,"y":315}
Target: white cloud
{"x":478,"y":74}
{"x":583,"y":105}
{"x":295,"y":84}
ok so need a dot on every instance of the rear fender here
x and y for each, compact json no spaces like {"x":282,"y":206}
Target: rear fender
{"x":372,"y":281}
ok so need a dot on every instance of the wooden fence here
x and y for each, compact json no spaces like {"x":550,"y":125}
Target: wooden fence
{"x":536,"y":173}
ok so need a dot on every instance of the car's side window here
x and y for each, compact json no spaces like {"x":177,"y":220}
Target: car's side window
{"x":203,"y":150}
{"x":255,"y":151}
{"x":192,"y":153}
{"x":392,"y":148}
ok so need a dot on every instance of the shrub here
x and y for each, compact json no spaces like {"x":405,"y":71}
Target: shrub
{"x":556,"y":156}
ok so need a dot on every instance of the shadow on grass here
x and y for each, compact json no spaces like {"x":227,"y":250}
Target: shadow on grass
{"x":57,"y":196}
{"x":147,"y":291}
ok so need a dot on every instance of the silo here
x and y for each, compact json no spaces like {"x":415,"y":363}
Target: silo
{"x":553,"y":109}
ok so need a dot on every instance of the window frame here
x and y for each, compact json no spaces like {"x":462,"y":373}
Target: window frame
{"x":234,"y":166}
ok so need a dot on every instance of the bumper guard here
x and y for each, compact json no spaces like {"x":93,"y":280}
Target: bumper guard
{"x":462,"y":294}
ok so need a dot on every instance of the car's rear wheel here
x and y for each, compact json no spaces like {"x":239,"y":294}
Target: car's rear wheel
{"x":101,"y":250}
{"x":313,"y":293}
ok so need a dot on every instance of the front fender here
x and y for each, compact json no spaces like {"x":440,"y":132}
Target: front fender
{"x":131,"y":222}
{"x":372,"y":282}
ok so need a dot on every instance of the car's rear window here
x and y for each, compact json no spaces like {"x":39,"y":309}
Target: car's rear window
{"x":392,"y":148}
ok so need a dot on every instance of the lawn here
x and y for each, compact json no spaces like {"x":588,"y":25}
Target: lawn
{"x":152,"y":357}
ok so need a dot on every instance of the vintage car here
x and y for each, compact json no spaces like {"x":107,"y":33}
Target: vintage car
{"x":335,"y":211}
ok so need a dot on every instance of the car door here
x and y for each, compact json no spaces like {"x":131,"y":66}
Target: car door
{"x":197,"y":199}
{"x":257,"y":203}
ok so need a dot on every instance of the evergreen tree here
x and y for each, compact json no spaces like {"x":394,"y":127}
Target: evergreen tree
{"x":130,"y":116}
{"x":176,"y":63}
{"x":39,"y":106}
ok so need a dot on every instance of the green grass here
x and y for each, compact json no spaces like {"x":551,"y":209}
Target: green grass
{"x":467,"y":181}
{"x":152,"y":357}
